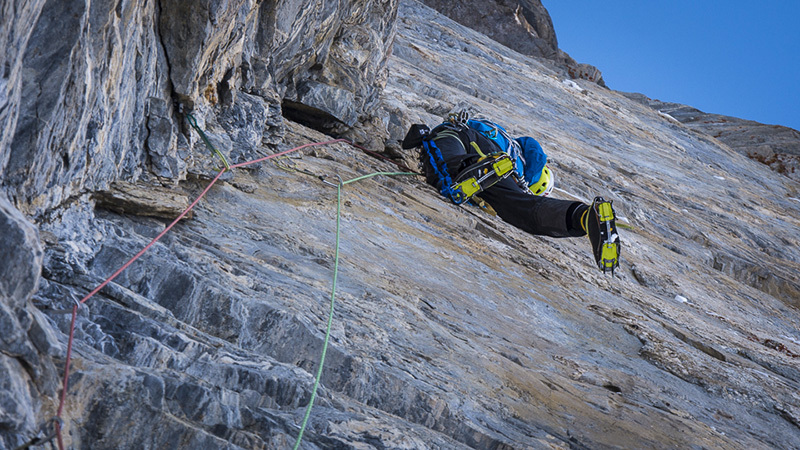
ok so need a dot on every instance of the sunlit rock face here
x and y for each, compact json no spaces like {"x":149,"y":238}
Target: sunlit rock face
{"x":101,"y":85}
{"x":524,"y":26}
{"x":774,"y":145}
{"x":451,"y":329}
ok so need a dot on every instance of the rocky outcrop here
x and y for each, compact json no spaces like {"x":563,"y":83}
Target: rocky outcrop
{"x":99,"y":84}
{"x":451,"y":329}
{"x":774,"y":145}
{"x":28,"y":344}
{"x":524,"y":26}
{"x":18,"y":19}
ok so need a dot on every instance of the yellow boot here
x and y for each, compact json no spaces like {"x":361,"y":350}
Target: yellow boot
{"x":599,"y":224}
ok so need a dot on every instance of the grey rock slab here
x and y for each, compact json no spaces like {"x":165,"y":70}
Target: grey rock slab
{"x":523,"y":26}
{"x":143,"y":200}
{"x":517,"y":355}
{"x":99,"y":93}
{"x":22,"y":256}
{"x":18,"y":19}
{"x":89,"y":74}
{"x":26,"y":378}
{"x":451,"y":328}
{"x":774,"y":145}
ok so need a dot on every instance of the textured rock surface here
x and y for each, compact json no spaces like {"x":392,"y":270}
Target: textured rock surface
{"x":98,"y":83}
{"x":143,"y":200}
{"x":27,"y":342}
{"x":18,"y":19}
{"x":452,"y":329}
{"x":774,"y":145}
{"x":524,"y":26}
{"x":89,"y":74}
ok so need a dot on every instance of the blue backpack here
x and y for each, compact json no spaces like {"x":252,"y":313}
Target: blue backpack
{"x":527,"y":154}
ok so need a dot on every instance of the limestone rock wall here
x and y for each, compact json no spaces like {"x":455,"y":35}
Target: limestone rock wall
{"x":97,"y":83}
{"x":451,"y":329}
{"x":18,"y":19}
{"x":524,"y":26}
{"x":28,"y":375}
{"x":93,"y":97}
{"x":774,"y":145}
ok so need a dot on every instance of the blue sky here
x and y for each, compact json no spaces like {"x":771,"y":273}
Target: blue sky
{"x":731,"y":57}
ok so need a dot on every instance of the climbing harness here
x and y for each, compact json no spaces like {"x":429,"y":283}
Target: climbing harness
{"x":525,"y":161}
{"x":486,"y":172}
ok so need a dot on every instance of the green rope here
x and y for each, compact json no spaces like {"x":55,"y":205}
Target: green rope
{"x":193,"y":123}
{"x":330,"y":314}
{"x":363,"y":177}
{"x":333,"y":294}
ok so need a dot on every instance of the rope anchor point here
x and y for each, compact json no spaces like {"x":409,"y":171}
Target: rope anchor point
{"x":193,"y":122}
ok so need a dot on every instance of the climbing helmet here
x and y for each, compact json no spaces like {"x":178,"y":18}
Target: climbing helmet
{"x":545,"y":184}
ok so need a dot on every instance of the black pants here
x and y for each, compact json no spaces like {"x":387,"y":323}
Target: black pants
{"x":537,"y":215}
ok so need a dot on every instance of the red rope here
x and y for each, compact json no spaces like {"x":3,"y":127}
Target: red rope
{"x":65,"y":382}
{"x":289,"y":151}
{"x":66,"y":375}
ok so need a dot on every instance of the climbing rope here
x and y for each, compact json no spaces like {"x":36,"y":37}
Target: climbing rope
{"x":65,"y":382}
{"x":333,"y":293}
{"x":330,"y":315}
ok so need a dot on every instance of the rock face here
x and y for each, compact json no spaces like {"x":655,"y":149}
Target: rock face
{"x":18,"y":19}
{"x":98,"y":84}
{"x":451,"y":328}
{"x":774,"y":145}
{"x":524,"y":26}
{"x":28,"y":342}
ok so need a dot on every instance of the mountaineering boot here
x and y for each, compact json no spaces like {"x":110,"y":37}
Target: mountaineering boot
{"x":599,"y":224}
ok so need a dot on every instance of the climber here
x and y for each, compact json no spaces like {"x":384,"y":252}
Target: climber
{"x":475,"y":160}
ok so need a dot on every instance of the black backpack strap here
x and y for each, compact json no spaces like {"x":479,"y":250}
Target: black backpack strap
{"x":431,"y":156}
